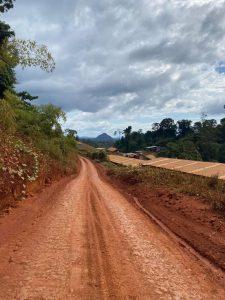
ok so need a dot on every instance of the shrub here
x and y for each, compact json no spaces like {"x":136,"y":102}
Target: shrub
{"x":98,"y":155}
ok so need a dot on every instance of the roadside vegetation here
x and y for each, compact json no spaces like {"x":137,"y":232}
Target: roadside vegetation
{"x":33,"y":145}
{"x":99,"y":156}
{"x":184,"y":139}
{"x":211,"y":189}
{"x":91,"y":152}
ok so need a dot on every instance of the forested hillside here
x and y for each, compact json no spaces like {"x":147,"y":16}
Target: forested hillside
{"x":32,"y":142}
{"x":202,"y":140}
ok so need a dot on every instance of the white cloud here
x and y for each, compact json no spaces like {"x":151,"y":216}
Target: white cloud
{"x":125,"y":62}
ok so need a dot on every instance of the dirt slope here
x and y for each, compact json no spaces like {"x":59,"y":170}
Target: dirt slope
{"x":83,"y":240}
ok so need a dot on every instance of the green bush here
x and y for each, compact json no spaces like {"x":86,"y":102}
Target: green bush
{"x":99,"y":155}
{"x":39,"y":126}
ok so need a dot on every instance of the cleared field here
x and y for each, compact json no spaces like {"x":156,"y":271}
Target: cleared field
{"x":150,"y":156}
{"x":188,"y":166}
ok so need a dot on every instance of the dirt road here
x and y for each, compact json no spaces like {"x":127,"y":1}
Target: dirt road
{"x":81,"y":239}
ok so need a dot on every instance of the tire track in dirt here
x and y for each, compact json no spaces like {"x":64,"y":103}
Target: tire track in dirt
{"x":94,"y":244}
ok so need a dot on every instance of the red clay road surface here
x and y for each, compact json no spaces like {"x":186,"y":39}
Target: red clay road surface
{"x":81,"y":239}
{"x":188,"y":166}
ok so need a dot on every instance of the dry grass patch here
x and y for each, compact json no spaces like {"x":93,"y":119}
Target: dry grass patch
{"x":210,"y":189}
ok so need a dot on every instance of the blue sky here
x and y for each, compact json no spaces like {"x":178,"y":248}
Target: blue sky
{"x":121,"y":63}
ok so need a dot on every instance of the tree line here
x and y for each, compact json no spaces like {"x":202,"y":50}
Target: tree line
{"x":184,"y":139}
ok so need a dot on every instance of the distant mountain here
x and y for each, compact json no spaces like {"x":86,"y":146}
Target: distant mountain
{"x":104,"y":137}
{"x":102,"y":141}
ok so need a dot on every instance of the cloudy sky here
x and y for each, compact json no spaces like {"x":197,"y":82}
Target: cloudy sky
{"x":126,"y":62}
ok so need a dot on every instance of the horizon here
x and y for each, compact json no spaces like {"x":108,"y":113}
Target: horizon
{"x":149,"y":62}
{"x":148,"y":127}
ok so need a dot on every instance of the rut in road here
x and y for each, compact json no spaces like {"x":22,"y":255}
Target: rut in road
{"x":84,"y":240}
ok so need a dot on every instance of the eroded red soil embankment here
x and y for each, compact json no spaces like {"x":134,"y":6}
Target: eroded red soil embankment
{"x":188,"y":217}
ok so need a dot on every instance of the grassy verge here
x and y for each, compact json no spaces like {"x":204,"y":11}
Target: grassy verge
{"x":92,"y":153}
{"x":210,"y":189}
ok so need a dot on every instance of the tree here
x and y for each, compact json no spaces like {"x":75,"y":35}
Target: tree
{"x":149,"y":140}
{"x":29,"y":53}
{"x":7,"y":61}
{"x":71,"y":133}
{"x":155,"y":126}
{"x":5,"y":32}
{"x":7,"y":79}
{"x":222,"y":121}
{"x":221,"y":131}
{"x":221,"y":154}
{"x":5,"y":5}
{"x":26,"y":98}
{"x":189,"y":151}
{"x":209,"y":150}
{"x":127,"y":131}
{"x":50,"y":117}
{"x":15,"y":52}
{"x":197,"y":127}
{"x":71,"y":137}
{"x":184,"y":127}
{"x":167,"y":128}
{"x":127,"y":139}
{"x":209,"y":123}
{"x":183,"y":149}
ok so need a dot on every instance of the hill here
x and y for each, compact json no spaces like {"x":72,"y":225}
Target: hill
{"x":103,"y":140}
{"x":104,"y":137}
